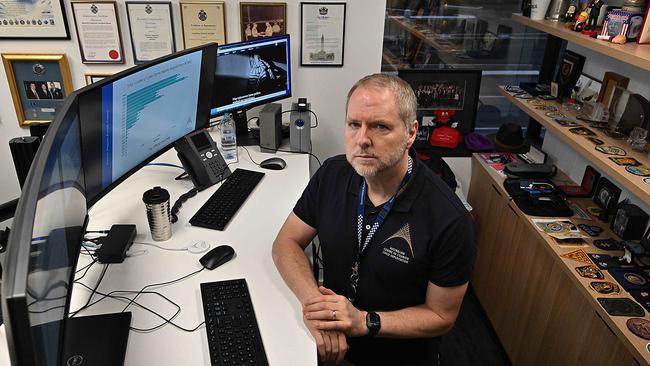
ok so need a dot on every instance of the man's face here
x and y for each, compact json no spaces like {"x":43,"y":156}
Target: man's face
{"x":32,"y":86}
{"x":51,"y":85}
{"x":375,"y":136}
{"x":43,"y":87}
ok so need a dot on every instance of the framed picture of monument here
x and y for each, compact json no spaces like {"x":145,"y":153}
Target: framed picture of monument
{"x":322,"y":32}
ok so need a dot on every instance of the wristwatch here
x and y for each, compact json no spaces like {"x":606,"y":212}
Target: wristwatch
{"x":373,"y":322}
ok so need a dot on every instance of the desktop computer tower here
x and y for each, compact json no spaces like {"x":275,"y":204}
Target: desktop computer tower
{"x":300,"y":128}
{"x":271,"y":127}
{"x":23,"y":150}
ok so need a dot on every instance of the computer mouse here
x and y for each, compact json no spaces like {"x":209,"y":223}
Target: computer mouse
{"x":273,"y":164}
{"x":217,"y":256}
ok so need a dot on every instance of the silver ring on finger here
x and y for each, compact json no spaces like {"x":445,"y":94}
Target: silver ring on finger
{"x":333,"y":314}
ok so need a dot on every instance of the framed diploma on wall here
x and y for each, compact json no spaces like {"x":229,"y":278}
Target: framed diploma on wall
{"x":38,"y":85}
{"x":151,"y":28}
{"x":203,"y":22}
{"x":20,"y":19}
{"x":322,"y":34}
{"x":98,"y":32}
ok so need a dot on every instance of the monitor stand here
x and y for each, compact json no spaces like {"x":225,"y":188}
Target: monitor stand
{"x":98,"y":340}
{"x":244,"y":136}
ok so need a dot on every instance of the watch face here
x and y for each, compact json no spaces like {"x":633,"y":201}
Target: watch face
{"x":373,"y":323}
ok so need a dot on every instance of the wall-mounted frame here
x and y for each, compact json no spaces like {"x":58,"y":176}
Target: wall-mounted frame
{"x":259,"y":20}
{"x":151,"y":28}
{"x":203,"y":22}
{"x":41,"y":20}
{"x":98,"y":32}
{"x":38,"y":85}
{"x":322,"y":34}
{"x":610,"y":81}
{"x":93,"y":77}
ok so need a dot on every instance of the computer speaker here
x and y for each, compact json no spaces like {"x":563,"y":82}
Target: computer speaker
{"x":300,"y":127}
{"x":271,"y":127}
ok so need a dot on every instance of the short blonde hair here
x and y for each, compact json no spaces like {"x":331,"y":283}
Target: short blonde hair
{"x":404,"y":96}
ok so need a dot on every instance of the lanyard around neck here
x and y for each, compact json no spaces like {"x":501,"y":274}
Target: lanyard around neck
{"x":379,"y":220}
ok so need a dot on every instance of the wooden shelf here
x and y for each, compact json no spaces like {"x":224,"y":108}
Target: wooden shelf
{"x":584,"y":147}
{"x":630,"y":53}
{"x":560,"y":294}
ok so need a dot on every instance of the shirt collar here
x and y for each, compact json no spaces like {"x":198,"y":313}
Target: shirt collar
{"x":405,"y":200}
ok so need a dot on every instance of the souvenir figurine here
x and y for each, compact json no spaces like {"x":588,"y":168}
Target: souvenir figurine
{"x":581,"y":21}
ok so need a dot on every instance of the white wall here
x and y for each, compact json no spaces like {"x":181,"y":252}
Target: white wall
{"x":324,"y":87}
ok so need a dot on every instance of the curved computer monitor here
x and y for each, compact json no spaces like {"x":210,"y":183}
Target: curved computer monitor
{"x":132,"y":117}
{"x":251,"y":73}
{"x":44,"y":245}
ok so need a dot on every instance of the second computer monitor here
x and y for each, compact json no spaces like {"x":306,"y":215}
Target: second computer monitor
{"x":251,"y":73}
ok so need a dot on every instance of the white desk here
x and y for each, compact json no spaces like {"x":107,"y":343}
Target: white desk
{"x":250,"y":233}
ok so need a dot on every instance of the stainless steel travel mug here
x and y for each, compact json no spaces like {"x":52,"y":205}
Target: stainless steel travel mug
{"x":156,"y":200}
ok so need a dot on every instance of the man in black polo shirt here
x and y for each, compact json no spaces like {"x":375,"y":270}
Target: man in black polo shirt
{"x":397,"y":245}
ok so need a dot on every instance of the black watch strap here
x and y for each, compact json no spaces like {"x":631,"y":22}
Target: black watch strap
{"x":373,"y":322}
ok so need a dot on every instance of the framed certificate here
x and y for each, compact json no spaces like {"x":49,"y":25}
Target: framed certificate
{"x":644,"y":32}
{"x":203,"y":22}
{"x":151,"y":28}
{"x":322,"y":31}
{"x":20,"y":19}
{"x":259,"y":20}
{"x":38,"y":85}
{"x":98,"y":32}
{"x":95,"y":77}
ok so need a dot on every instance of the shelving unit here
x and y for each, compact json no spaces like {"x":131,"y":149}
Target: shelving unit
{"x":584,"y":147}
{"x":630,"y":53}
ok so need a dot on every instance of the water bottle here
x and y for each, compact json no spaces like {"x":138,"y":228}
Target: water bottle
{"x":228,"y":138}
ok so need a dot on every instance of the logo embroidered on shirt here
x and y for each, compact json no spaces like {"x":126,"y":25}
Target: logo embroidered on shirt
{"x":404,"y":233}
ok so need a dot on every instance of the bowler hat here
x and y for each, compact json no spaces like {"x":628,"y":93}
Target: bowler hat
{"x":510,"y":137}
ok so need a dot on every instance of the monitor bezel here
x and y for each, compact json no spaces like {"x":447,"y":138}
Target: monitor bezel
{"x":14,"y":286}
{"x":247,"y":106}
{"x":208,"y":60}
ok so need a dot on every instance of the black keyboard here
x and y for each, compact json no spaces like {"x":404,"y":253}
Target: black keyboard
{"x":224,"y":203}
{"x":230,"y":324}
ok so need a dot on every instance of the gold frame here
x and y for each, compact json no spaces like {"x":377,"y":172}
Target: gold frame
{"x":9,"y":58}
{"x":88,"y":75}
{"x":223,"y":17}
{"x":242,"y":27}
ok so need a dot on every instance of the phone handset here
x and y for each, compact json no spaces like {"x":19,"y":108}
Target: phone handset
{"x":201,"y":159}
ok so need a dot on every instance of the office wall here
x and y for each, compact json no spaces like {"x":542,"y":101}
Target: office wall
{"x":324,"y":87}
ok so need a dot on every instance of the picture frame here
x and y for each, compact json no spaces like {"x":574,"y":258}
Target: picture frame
{"x":644,"y":32}
{"x":151,"y":29}
{"x":322,"y":34}
{"x":424,"y":83}
{"x":259,"y":20}
{"x":43,"y":20}
{"x":38,"y":83}
{"x":93,"y":19}
{"x":610,"y":81}
{"x":93,"y":77}
{"x":588,"y":88}
{"x":203,"y":22}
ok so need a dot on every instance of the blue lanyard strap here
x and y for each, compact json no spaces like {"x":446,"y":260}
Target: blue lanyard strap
{"x":379,"y":220}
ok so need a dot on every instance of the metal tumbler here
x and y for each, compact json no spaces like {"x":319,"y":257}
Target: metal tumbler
{"x":156,"y":200}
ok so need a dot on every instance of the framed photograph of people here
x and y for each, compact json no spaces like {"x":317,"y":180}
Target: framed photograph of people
{"x":203,"y":22}
{"x":20,"y":19}
{"x":95,"y":77}
{"x":322,"y":31}
{"x":259,"y":20}
{"x":151,"y":28}
{"x":38,"y":85}
{"x":98,"y":32}
{"x":446,"y":96}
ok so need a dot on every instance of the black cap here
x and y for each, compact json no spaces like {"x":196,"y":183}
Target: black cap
{"x":156,"y":195}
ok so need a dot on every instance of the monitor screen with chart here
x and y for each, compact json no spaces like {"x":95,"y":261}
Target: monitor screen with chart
{"x":132,"y":117}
